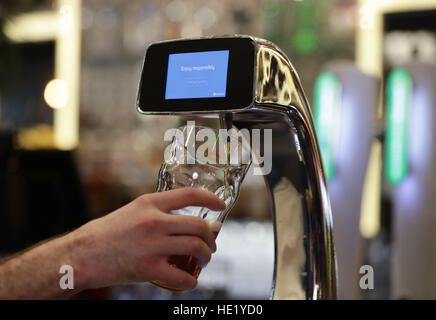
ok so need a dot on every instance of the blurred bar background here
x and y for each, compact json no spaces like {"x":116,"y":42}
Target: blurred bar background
{"x":73,"y":147}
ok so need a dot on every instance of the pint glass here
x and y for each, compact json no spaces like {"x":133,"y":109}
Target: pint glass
{"x":207,"y":159}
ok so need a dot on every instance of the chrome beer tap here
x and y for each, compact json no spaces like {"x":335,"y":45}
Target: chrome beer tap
{"x":305,"y":262}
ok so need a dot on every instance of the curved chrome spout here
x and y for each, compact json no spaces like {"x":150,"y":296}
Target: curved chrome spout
{"x":305,"y":263}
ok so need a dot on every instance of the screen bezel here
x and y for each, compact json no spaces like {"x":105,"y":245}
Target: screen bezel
{"x":240,"y":76}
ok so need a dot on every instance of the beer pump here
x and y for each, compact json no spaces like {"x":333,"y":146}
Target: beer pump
{"x":262,"y":90}
{"x":410,"y":171}
{"x":344,"y":111}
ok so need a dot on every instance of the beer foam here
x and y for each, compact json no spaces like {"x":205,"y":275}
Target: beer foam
{"x":215,"y":226}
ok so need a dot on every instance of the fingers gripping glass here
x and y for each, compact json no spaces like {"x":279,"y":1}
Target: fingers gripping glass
{"x":206,"y":159}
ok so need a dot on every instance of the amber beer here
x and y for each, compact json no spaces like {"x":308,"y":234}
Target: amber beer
{"x":188,"y":263}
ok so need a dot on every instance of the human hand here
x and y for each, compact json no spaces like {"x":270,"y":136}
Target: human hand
{"x":133,"y":243}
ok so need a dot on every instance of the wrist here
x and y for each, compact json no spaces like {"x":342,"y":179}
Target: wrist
{"x":79,"y":245}
{"x":35,"y":273}
{"x":93,"y":260}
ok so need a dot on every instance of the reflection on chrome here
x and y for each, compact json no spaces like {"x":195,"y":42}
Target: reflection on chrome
{"x":305,"y":261}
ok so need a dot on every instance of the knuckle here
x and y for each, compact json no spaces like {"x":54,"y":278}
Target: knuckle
{"x":185,"y":281}
{"x":146,"y":269}
{"x":208,"y":255}
{"x":199,"y":223}
{"x":151,"y":223}
{"x":200,"y":250}
{"x":196,"y":245}
{"x":144,"y":200}
{"x":180,"y":281}
{"x":190,"y":192}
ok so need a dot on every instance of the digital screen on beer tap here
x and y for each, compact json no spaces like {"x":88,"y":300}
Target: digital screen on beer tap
{"x":194,"y":75}
{"x":198,"y":75}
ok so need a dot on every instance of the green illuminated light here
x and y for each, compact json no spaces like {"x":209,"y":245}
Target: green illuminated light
{"x":306,"y":41}
{"x":327,"y":91}
{"x":399,"y":87}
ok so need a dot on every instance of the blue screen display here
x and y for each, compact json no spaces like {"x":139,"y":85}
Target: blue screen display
{"x":197,"y":75}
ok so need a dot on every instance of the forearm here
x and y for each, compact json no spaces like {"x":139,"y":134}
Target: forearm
{"x":35,"y":273}
{"x":131,"y":244}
